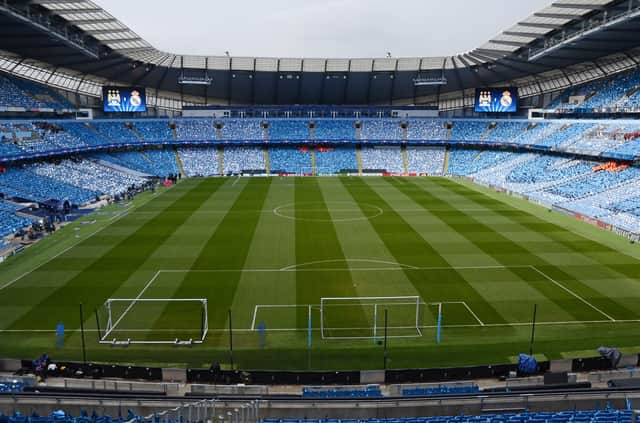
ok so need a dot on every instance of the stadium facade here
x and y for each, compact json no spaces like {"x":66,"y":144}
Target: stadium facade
{"x":79,"y":47}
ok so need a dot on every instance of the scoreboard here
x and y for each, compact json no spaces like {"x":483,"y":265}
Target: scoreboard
{"x":496,"y":100}
{"x":124,"y":99}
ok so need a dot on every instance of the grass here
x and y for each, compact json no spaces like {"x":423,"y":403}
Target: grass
{"x":250,"y":244}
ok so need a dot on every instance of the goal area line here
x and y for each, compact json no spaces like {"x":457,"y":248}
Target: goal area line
{"x":113,"y":330}
{"x":248,"y":330}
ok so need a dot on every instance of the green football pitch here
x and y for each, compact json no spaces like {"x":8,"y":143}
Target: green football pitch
{"x":308,"y":268}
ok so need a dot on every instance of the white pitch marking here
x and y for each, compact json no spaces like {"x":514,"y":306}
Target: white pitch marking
{"x":153,"y":279}
{"x":473,"y":314}
{"x":486,"y":325}
{"x":354,"y":269}
{"x":253,"y":321}
{"x":8,"y":284}
{"x":296,"y":266}
{"x":572,"y":293}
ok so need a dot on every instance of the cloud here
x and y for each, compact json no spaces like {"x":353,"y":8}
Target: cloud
{"x":320,"y":28}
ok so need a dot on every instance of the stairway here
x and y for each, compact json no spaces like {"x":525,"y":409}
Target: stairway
{"x":314,"y":169}
{"x":220,"y":160}
{"x":359,"y":157}
{"x":405,"y":159}
{"x":145,"y":157}
{"x":136,"y":133}
{"x":445,"y":167}
{"x":487,"y":132}
{"x":267,"y":162}
{"x":179,"y":162}
{"x":174,"y":133}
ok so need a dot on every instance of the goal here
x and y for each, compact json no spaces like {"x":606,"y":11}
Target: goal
{"x":364,"y":317}
{"x":178,"y":321}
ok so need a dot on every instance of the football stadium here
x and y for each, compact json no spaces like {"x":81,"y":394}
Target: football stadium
{"x":200,"y":239}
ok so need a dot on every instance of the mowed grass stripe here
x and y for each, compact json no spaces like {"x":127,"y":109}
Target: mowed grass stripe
{"x":500,"y":248}
{"x":105,"y":275}
{"x":504,"y":245}
{"x":273,"y":246}
{"x":576,"y":244}
{"x":409,"y":247}
{"x":227,"y":248}
{"x":316,"y":240}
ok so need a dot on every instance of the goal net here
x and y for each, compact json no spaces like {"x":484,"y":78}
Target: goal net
{"x":125,"y":321}
{"x":364,"y":317}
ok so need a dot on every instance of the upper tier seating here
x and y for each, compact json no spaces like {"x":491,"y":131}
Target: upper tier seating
{"x":42,"y":94}
{"x":506,"y":131}
{"x":196,"y":130}
{"x":468,"y":130}
{"x":426,"y":130}
{"x":154,"y":130}
{"x":83,"y":132}
{"x":242,"y":129}
{"x":284,"y":130}
{"x":115,"y":131}
{"x":12,"y":96}
{"x":335,"y":130}
{"x":612,"y":91}
{"x":380,"y":130}
{"x":582,"y":91}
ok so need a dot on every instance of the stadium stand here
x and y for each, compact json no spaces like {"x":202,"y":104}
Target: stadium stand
{"x":115,"y":131}
{"x":428,"y":160}
{"x":469,"y":130}
{"x":506,"y":131}
{"x":242,"y":129}
{"x":371,"y":391}
{"x":12,"y":96}
{"x":386,"y":159}
{"x":196,"y":129}
{"x":421,"y":129}
{"x":89,"y":175}
{"x":83,"y":132}
{"x":238,"y":159}
{"x":153,"y":130}
{"x":22,"y":182}
{"x":335,"y":130}
{"x":200,"y":161}
{"x":594,"y":416}
{"x":290,"y":160}
{"x":380,"y":130}
{"x":283,"y":130}
{"x":42,"y":94}
{"x":331,"y":160}
{"x":150,"y":162}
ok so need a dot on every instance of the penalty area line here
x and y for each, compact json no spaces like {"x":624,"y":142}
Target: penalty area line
{"x":558,"y":284}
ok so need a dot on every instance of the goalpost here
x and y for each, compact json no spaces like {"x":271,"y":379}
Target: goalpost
{"x":363,"y":317}
{"x":177,"y":321}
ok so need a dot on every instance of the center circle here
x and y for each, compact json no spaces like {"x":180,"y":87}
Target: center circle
{"x":338,"y":211}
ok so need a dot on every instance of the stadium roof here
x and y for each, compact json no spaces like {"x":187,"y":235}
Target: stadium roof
{"x":83,"y":37}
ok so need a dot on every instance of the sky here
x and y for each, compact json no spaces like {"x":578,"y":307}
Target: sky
{"x":320,"y":28}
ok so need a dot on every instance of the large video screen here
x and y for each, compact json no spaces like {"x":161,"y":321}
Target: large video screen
{"x":497,"y":100}
{"x":124,"y":99}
